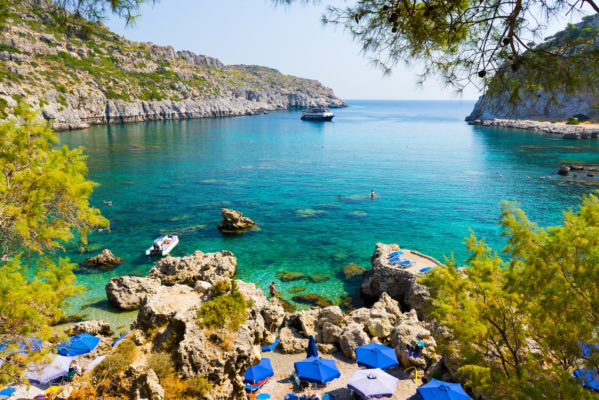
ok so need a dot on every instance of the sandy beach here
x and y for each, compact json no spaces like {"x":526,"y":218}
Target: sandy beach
{"x":279,"y":385}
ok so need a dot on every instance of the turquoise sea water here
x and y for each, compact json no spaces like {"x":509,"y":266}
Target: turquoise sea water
{"x":434,"y":177}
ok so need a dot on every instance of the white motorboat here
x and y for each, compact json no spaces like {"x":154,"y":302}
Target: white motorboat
{"x":317,"y":114}
{"x":163,"y":245}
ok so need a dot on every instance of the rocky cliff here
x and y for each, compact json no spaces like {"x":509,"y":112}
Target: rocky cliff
{"x":540,"y":104}
{"x":83,"y":74}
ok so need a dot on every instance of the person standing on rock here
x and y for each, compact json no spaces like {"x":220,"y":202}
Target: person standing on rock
{"x":273,"y":290}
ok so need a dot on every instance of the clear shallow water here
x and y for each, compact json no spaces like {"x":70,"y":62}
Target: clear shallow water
{"x":435,"y":177}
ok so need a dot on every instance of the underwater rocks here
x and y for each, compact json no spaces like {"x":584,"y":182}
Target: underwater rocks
{"x":288,"y":276}
{"x":104,"y":260}
{"x":312,"y":299}
{"x":353,"y":270}
{"x":234,"y":222}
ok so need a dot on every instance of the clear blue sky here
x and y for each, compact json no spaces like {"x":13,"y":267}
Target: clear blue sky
{"x":291,"y":39}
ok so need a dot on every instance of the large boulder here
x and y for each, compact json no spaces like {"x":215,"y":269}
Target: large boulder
{"x":234,"y":222}
{"x":210,"y":267}
{"x":400,"y":284}
{"x":414,"y":343}
{"x":139,"y":383}
{"x":165,"y":304}
{"x":352,"y":336}
{"x":104,"y":260}
{"x":130,"y":292}
{"x":94,"y":327}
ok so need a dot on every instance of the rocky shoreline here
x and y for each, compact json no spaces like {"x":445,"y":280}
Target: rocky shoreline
{"x":79,"y":80}
{"x":171,"y":297}
{"x":558,"y":128}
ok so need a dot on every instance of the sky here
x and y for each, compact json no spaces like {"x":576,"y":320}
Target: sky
{"x":291,"y":39}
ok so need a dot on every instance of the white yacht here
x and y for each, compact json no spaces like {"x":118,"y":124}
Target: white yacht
{"x":163,"y":245}
{"x":317,"y":114}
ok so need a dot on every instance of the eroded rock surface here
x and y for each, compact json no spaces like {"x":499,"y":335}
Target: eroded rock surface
{"x":130,"y":292}
{"x":234,"y":222}
{"x":209,"y":267}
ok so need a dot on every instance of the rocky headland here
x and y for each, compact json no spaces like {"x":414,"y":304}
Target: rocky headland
{"x":540,"y":110}
{"x":171,"y":298}
{"x":86,"y":75}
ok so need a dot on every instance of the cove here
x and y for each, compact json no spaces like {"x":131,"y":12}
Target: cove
{"x":434,"y":176}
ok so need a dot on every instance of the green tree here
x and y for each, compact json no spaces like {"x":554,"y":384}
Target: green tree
{"x":476,"y":42}
{"x":516,"y":319}
{"x":44,"y":193}
{"x":43,"y":198}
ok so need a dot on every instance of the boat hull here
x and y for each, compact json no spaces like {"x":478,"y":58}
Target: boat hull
{"x":317,"y":118}
{"x":165,"y":249}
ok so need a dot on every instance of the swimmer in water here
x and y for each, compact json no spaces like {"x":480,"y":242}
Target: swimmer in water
{"x":372,"y":194}
{"x":108,"y":203}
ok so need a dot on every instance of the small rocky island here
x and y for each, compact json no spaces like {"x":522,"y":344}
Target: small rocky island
{"x":234,"y":222}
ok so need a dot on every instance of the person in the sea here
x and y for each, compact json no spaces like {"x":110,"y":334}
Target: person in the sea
{"x":273,"y":290}
{"x":108,"y":203}
{"x":372,"y":194}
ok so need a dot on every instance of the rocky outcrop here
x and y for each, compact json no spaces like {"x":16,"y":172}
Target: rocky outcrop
{"x":525,"y":109}
{"x":209,"y":267}
{"x":130,"y":292}
{"x":234,"y":222}
{"x":557,"y":128}
{"x":352,"y":336}
{"x":104,"y":260}
{"x":95,"y":328}
{"x":103,"y":78}
{"x":400,"y":284}
{"x":414,"y":344}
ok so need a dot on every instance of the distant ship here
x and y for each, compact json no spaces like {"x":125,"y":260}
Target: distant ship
{"x":317,"y":114}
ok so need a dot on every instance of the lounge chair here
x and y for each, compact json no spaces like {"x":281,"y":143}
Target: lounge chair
{"x":6,"y":393}
{"x":291,"y":396}
{"x":407,"y":263}
{"x":257,"y":386}
{"x":263,"y":396}
{"x":270,"y":347}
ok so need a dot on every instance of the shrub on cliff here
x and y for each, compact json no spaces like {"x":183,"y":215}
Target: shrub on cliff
{"x":518,"y":318}
{"x":228,"y":311}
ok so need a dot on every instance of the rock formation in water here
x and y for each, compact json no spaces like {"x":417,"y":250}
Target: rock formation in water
{"x":539,"y":105}
{"x":83,"y":77}
{"x":234,"y":221}
{"x":104,"y":260}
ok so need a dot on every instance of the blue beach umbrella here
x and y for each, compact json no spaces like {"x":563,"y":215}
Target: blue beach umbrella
{"x":311,"y":351}
{"x":424,"y":270}
{"x":6,"y":393}
{"x":24,"y":346}
{"x":258,"y":372}
{"x":395,"y":254}
{"x":78,"y":345}
{"x":316,"y":370}
{"x":439,"y":390}
{"x":124,"y":335}
{"x":588,"y":379}
{"x":376,"y":355}
{"x":394,"y":259}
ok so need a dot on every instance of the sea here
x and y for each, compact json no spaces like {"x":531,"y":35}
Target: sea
{"x":308,"y":186}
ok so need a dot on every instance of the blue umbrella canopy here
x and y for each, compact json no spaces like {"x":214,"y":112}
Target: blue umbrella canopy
{"x":311,"y":351}
{"x":316,"y":370}
{"x":77,"y":345}
{"x":258,"y":372}
{"x":373,"y":383}
{"x":374,"y":355}
{"x":394,"y":259}
{"x":395,"y":253}
{"x":439,"y":390}
{"x":22,"y":346}
{"x":588,"y":379}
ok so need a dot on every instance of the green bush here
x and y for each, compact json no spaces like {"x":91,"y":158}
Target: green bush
{"x":221,"y":287}
{"x":581,"y":117}
{"x":226,"y":311}
{"x":162,"y":363}
{"x":572,"y":121}
{"x":198,"y":386}
{"x":122,"y":357}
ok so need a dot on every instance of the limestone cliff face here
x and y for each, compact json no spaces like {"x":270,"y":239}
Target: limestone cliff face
{"x":541,"y":104}
{"x":87,"y":76}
